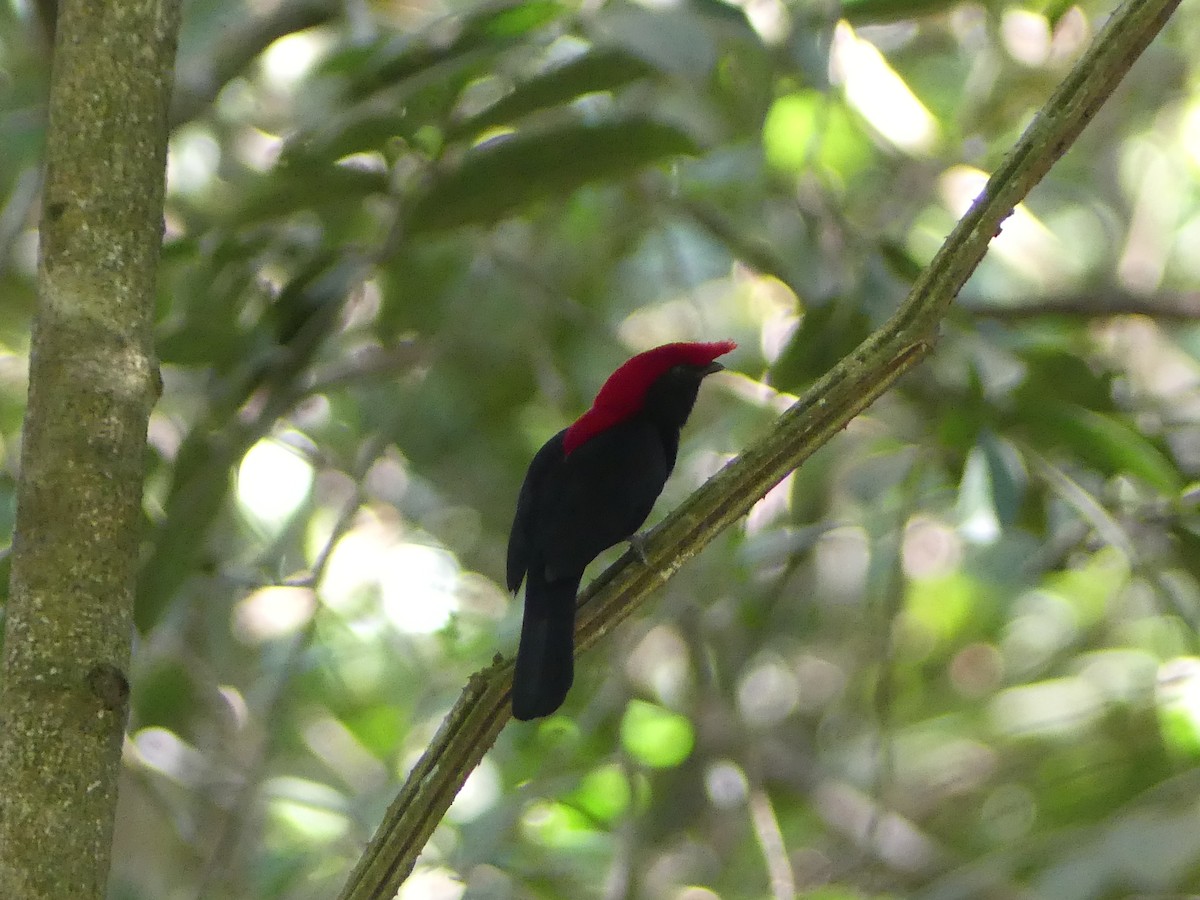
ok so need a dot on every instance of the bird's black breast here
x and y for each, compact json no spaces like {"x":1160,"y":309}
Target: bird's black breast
{"x":601,"y":494}
{"x":574,"y":507}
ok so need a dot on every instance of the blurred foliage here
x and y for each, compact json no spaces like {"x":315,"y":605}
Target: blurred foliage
{"x":955,"y":655}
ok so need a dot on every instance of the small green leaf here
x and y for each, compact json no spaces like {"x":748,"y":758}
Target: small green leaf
{"x":1060,"y":362}
{"x":303,"y":811}
{"x":899,"y":261}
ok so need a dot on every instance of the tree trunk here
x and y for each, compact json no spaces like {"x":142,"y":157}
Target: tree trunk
{"x":93,"y":380}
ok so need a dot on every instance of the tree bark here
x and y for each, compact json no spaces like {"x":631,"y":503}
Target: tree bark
{"x":93,"y":379}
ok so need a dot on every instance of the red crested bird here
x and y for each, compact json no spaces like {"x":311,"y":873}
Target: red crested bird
{"x":590,"y":487}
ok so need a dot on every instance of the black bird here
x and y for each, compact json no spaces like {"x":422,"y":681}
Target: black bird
{"x":590,"y":487}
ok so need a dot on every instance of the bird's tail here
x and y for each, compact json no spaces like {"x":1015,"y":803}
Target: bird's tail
{"x":546,"y":655}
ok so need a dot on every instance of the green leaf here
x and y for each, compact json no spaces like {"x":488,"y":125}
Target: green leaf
{"x":311,"y":300}
{"x":810,"y":128}
{"x":503,"y":176}
{"x":866,"y":12}
{"x":1060,"y":361}
{"x":488,"y":30}
{"x":164,"y":696}
{"x":604,"y":793}
{"x":305,"y":812}
{"x":515,"y":19}
{"x":991,"y":491}
{"x":899,"y":260}
{"x":290,"y":188}
{"x":978,"y":520}
{"x":1091,"y":586}
{"x":655,"y":736}
{"x":943,"y":606}
{"x":827,"y":333}
{"x":360,"y":131}
{"x":674,"y":40}
{"x":1178,"y":706}
{"x":598,"y":70}
{"x":379,"y":728}
{"x":1107,"y":442}
{"x":560,"y":826}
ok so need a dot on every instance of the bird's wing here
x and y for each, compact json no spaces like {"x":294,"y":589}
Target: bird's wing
{"x":598,"y":497}
{"x":519,"y":539}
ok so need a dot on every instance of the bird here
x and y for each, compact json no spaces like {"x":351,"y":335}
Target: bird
{"x":588,"y":488}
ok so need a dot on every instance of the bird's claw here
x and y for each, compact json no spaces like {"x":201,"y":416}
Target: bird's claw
{"x":637,"y":543}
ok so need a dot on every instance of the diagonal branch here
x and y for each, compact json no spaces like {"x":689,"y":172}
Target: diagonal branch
{"x":824,"y":410}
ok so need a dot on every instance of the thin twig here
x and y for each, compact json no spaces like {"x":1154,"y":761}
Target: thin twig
{"x":772,"y":846}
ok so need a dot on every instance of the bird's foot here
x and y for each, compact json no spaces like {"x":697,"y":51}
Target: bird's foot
{"x":637,"y":543}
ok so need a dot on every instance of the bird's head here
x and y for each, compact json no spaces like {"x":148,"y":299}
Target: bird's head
{"x":666,"y":376}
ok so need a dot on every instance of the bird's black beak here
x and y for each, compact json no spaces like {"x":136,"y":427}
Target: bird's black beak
{"x":711,"y":368}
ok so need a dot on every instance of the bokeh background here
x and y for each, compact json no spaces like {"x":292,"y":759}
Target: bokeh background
{"x":955,"y":655}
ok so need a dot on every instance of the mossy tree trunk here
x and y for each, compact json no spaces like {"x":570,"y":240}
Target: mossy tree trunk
{"x":93,"y":379}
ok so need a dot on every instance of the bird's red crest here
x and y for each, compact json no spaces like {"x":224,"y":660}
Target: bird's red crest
{"x":623,"y":392}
